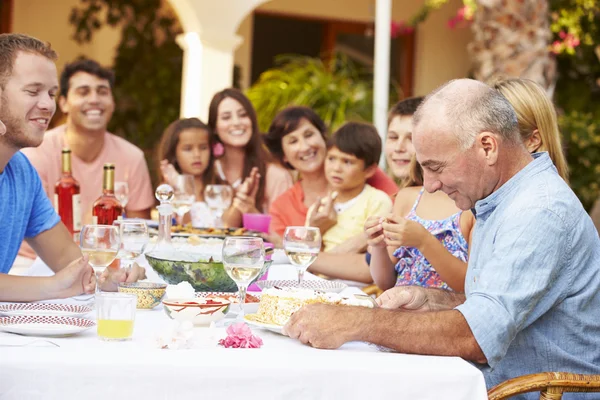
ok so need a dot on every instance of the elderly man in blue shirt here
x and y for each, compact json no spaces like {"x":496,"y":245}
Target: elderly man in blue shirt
{"x":532,"y":298}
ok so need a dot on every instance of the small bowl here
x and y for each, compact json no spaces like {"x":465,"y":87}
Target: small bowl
{"x":197,"y":311}
{"x":148,"y":294}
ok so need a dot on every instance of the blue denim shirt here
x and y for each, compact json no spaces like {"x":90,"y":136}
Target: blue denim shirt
{"x":532,"y":285}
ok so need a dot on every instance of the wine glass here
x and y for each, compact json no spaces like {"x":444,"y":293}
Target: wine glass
{"x":134,"y":238}
{"x":302,"y":245}
{"x":243,"y":259}
{"x":122,"y":194}
{"x":185,"y":196}
{"x":101,"y":243}
{"x":218,"y":198}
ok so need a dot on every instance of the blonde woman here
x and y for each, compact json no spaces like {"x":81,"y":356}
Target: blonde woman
{"x":537,"y":119}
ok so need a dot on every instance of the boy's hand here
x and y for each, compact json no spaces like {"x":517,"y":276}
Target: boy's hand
{"x":374,"y":231}
{"x":322,"y":214}
{"x":402,"y":232}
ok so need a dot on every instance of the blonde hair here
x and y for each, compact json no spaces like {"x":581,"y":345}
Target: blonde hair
{"x":415,"y":174}
{"x":535,"y":111}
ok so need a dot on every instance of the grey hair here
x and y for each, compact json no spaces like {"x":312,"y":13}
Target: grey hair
{"x":472,"y":111}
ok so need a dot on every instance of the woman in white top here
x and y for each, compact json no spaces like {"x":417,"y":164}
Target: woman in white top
{"x":243,"y":161}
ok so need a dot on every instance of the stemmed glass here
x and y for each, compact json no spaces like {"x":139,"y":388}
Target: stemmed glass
{"x":243,"y":259}
{"x":122,"y":193}
{"x":185,"y":196}
{"x":302,"y":245}
{"x":218,"y":198}
{"x":134,"y":238}
{"x":101,"y":243}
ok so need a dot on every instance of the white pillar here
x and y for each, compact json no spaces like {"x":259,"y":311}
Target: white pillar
{"x":207,"y":69}
{"x":383,"y":21}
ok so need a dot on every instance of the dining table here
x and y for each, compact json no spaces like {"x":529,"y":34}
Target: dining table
{"x":82,"y":367}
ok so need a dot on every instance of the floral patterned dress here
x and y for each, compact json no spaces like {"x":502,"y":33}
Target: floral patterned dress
{"x":413,"y":268}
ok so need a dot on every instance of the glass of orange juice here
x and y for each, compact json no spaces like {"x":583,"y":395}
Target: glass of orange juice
{"x":115,"y":314}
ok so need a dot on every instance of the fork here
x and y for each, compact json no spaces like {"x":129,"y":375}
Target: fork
{"x":29,"y":343}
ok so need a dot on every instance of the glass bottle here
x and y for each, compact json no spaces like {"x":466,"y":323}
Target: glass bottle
{"x":67,"y":202}
{"x":107,"y":208}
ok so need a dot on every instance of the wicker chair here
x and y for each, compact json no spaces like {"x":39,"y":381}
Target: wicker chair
{"x":551,"y":385}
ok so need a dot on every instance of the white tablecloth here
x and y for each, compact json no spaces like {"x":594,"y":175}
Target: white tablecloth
{"x":84,"y":367}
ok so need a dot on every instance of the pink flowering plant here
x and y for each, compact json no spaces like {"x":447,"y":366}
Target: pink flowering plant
{"x":239,"y":336}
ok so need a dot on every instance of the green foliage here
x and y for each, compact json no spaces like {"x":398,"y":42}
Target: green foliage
{"x":337,"y":91}
{"x":581,"y":131}
{"x":147,"y":65}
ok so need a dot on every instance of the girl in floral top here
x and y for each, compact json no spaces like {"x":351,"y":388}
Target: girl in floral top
{"x":423,"y":242}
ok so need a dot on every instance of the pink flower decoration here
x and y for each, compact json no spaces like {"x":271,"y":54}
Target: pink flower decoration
{"x":239,"y":336}
{"x":218,"y":149}
{"x":400,"y":28}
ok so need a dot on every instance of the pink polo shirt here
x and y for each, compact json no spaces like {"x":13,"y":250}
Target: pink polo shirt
{"x":130,"y":167}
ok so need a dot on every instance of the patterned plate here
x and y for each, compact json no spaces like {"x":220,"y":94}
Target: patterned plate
{"x":253,"y":321}
{"x":315,"y":284}
{"x":44,"y":309}
{"x":232,"y":297}
{"x":45,"y":325}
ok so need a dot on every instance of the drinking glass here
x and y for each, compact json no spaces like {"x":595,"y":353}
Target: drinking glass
{"x":134,"y":238}
{"x":101,"y":243}
{"x":115,"y":314}
{"x":122,"y":193}
{"x":218,"y":198}
{"x":243,"y":259}
{"x":302,"y":245}
{"x":185,"y":196}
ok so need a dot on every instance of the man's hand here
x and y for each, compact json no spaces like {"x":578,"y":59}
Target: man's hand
{"x":76,"y":278}
{"x":111,"y":277}
{"x":374,"y":231}
{"x":322,"y":214}
{"x":410,"y":298}
{"x":402,"y":232}
{"x":321,"y":325}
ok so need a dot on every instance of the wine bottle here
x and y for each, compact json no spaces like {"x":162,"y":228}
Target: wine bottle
{"x":107,"y":208}
{"x":67,"y":202}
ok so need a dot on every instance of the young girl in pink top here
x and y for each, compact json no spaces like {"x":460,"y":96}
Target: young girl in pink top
{"x":185,"y":148}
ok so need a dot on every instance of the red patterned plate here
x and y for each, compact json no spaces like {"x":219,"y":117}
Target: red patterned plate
{"x":315,"y":284}
{"x":45,"y":325}
{"x":232,"y":297}
{"x":44,"y":309}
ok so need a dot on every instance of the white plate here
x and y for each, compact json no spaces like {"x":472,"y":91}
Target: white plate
{"x":316,"y":284}
{"x":44,"y":309}
{"x":270,"y":327}
{"x":44,"y":325}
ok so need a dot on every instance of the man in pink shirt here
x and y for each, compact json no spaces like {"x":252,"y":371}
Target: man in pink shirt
{"x":86,"y":98}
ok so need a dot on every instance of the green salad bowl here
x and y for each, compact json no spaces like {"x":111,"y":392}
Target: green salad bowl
{"x":204,"y":276}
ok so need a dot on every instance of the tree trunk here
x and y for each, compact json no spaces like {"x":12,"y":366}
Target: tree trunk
{"x":511,"y":39}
